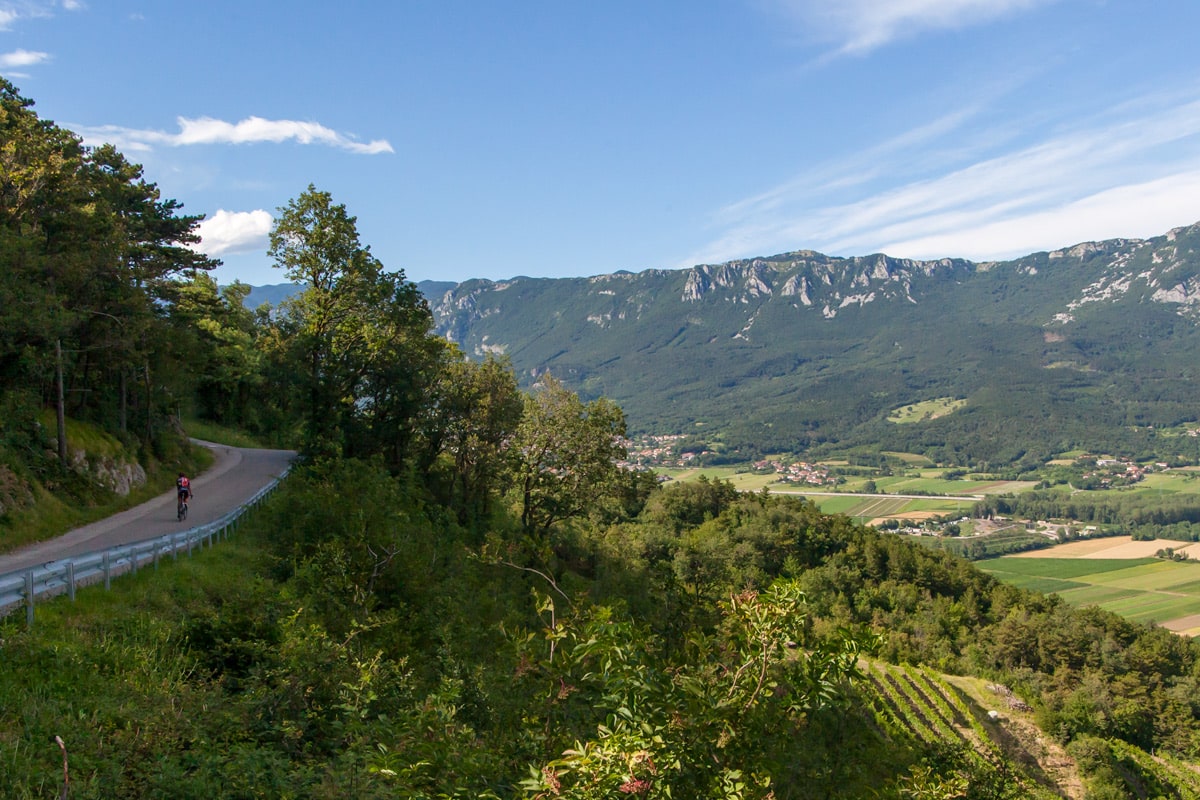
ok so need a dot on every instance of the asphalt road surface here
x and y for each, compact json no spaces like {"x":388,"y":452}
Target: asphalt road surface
{"x":236,"y":474}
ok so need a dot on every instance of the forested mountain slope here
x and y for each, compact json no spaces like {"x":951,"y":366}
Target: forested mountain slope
{"x":1082,"y":347}
{"x":463,"y":593}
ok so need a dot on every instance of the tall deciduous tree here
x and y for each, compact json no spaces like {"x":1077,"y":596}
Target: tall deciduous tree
{"x":316,"y":244}
{"x":226,"y":365}
{"x":476,"y":408}
{"x":361,"y":333}
{"x":565,"y":455}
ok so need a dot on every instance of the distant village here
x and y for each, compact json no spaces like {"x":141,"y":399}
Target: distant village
{"x":673,"y":451}
{"x":797,"y":472}
{"x":1108,"y":473}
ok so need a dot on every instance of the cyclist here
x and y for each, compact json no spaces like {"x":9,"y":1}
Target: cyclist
{"x":184,"y":488}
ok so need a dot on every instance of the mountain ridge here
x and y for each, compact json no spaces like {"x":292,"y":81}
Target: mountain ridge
{"x":1087,"y":346}
{"x":763,"y":343}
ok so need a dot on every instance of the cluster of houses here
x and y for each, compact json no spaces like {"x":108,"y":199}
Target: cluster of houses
{"x":799,"y":472}
{"x":1118,"y":472}
{"x":663,"y":450}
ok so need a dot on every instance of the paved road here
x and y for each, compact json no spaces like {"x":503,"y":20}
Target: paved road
{"x":233,"y":479}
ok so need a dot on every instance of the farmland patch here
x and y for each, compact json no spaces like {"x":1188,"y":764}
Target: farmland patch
{"x":926,"y":410}
{"x":1143,"y":590}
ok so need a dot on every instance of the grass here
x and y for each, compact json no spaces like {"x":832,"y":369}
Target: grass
{"x":83,"y":436}
{"x":1143,"y":590}
{"x":1062,"y":567}
{"x":838,"y":505}
{"x":909,"y":458}
{"x":874,"y":506}
{"x":741,"y":479}
{"x":1171,"y":482}
{"x":220,"y":434}
{"x":926,"y":410}
{"x":929,"y":485}
{"x":112,"y":674}
{"x":846,"y":502}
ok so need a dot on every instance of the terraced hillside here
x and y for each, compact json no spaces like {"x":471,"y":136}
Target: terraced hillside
{"x":988,"y":726}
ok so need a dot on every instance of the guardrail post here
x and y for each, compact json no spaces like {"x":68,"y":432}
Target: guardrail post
{"x":71,"y":580}
{"x":133,"y":559}
{"x":107,"y":571}
{"x":29,"y":599}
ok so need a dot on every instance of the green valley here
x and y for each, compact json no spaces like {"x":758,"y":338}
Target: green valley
{"x":613,"y":537}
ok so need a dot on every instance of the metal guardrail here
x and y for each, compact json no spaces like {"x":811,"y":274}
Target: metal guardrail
{"x":24,"y":587}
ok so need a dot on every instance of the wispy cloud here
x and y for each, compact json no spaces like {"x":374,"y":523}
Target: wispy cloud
{"x":1128,"y":174}
{"x":206,"y":130}
{"x":859,"y":26}
{"x":22,"y":58}
{"x":229,"y":232}
{"x":13,"y":10}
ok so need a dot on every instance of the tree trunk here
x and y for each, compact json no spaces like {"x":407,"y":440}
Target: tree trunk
{"x":149,"y":415}
{"x":123,"y":407}
{"x":60,"y":410}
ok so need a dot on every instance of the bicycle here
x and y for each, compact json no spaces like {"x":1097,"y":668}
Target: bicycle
{"x":181,"y":508}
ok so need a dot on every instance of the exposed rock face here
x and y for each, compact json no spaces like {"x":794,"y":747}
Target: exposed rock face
{"x":1164,"y":270}
{"x":812,"y":278}
{"x":119,"y":477}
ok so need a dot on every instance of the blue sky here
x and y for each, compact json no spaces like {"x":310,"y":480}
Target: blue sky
{"x":477,"y":139}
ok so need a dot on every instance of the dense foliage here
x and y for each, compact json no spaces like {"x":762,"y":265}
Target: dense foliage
{"x":460,"y":593}
{"x":92,"y":262}
{"x":701,"y":644}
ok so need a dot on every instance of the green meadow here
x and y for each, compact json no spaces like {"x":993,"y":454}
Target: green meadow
{"x":868,"y":507}
{"x":927,"y":410}
{"x":1143,"y":590}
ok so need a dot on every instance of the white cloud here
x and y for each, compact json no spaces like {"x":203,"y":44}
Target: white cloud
{"x":206,"y":130}
{"x":1135,"y":173}
{"x":227,"y":232}
{"x":1137,"y":211}
{"x":22,"y":58}
{"x":859,"y":26}
{"x":12,"y":10}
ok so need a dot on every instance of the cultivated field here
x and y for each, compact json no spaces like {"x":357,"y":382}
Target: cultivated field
{"x":1116,"y":575}
{"x":741,"y":479}
{"x":932,"y":482}
{"x":873,"y":509}
{"x":1114,"y":547}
